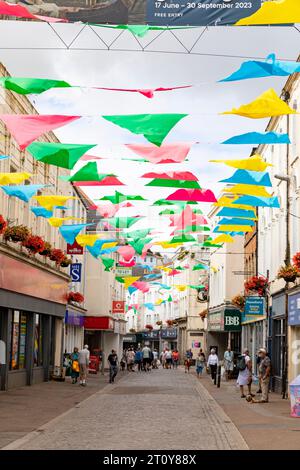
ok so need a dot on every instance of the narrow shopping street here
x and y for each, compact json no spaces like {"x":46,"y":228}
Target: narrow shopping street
{"x":141,"y":411}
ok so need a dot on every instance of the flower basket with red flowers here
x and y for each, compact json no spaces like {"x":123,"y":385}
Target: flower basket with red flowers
{"x":46,"y":251}
{"x":296,"y":260}
{"x":56,"y":255}
{"x":149,"y":327}
{"x":258,"y":284}
{"x":288,"y":273}
{"x":34,"y":244}
{"x":65,"y":262}
{"x":75,"y":297}
{"x":159,"y":322}
{"x":18,"y":233}
{"x":239,"y":301}
{"x":3,"y":224}
{"x":132,"y":330}
{"x":169,"y":322}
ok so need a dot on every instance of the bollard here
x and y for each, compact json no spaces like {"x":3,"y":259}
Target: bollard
{"x":218,"y":376}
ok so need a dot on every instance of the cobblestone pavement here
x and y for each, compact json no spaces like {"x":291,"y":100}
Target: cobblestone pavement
{"x":161,"y":409}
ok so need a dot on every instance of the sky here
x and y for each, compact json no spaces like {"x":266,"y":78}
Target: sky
{"x":91,"y":66}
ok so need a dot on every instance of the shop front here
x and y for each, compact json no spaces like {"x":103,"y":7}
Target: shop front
{"x":294,"y":335}
{"x":223,"y":330}
{"x":169,"y":338}
{"x":74,"y":329}
{"x":152,"y":339}
{"x":32,"y":311}
{"x":277,"y":330}
{"x":104,"y":333}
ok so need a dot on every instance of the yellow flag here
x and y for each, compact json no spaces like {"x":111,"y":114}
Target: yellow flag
{"x":158,"y":301}
{"x":236,"y":228}
{"x":89,"y":239}
{"x":224,"y":238}
{"x":58,"y":221}
{"x":13,"y":178}
{"x":268,"y":104}
{"x":226,"y":201}
{"x":166,"y":244}
{"x":128,"y":280}
{"x":254,"y":163}
{"x":109,"y":245}
{"x":50,"y":201}
{"x":274,"y":12}
{"x":249,"y":189}
{"x":181,"y":287}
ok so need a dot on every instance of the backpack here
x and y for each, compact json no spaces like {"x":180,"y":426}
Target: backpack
{"x":241,"y":363}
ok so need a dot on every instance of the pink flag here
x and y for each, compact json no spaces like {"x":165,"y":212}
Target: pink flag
{"x":187,"y":218}
{"x":196,"y":195}
{"x":107,"y":181}
{"x":127,"y":264}
{"x":148,"y":93}
{"x":172,"y":175}
{"x":127,"y":252}
{"x":174,"y":272}
{"x":8,"y":9}
{"x":142,"y":286}
{"x":86,"y":158}
{"x":166,"y":153}
{"x":145,"y":250}
{"x":25,"y":128}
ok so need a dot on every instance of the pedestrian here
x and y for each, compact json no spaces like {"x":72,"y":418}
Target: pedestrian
{"x":212,"y":363}
{"x":258,"y":360}
{"x":75,"y":366}
{"x":264,"y":371}
{"x":138,"y":359}
{"x":113,"y":365}
{"x":163,"y":358}
{"x":168,"y":355}
{"x":155,"y":359}
{"x":84,"y":360}
{"x":188,"y":360}
{"x":228,"y":363}
{"x":244,"y":366}
{"x":200,"y":363}
{"x":130,"y":359}
{"x":175,"y":358}
{"x":146,"y":352}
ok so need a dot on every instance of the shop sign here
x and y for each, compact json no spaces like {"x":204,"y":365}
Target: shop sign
{"x":123,"y":272}
{"x":74,"y":249}
{"x":232,"y":320}
{"x":151,"y":334}
{"x":75,"y":272}
{"x":255,"y":307}
{"x":74,"y":318}
{"x":118,"y":306}
{"x":98,"y":323}
{"x":129,"y":339}
{"x":294,"y":310}
{"x":215,"y":321}
{"x":169,"y":333}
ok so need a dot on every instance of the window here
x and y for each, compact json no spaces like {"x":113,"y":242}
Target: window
{"x":279,"y":338}
{"x":18,"y":341}
{"x":37,"y":346}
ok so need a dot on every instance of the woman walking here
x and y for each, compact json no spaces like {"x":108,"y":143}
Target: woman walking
{"x":212,"y":363}
{"x":200,"y":363}
{"x":74,"y":366}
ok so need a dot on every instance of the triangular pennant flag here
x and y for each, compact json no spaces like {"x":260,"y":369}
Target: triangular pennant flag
{"x":172,"y":175}
{"x":166,"y":153}
{"x":242,"y":213}
{"x":254,"y":163}
{"x":183,"y":238}
{"x":41,"y":212}
{"x":236,"y":221}
{"x":105,"y":180}
{"x":167,"y":183}
{"x":128,"y":280}
{"x":25,"y":86}
{"x":268,"y":104}
{"x":50,"y":201}
{"x":58,"y":154}
{"x":199,"y":266}
{"x":87,"y":239}
{"x":88,"y":172}
{"x":26,"y":128}
{"x":154,"y":127}
{"x":256,"y":138}
{"x":140,"y":244}
{"x":58,"y":221}
{"x":70,"y":232}
{"x":248,"y":189}
{"x":118,"y":198}
{"x":123,"y":222}
{"x":13,"y":178}
{"x":258,"y":201}
{"x":249,"y":177}
{"x":224,"y":238}
{"x":23,"y":192}
{"x":107,"y":263}
{"x":196,"y":195}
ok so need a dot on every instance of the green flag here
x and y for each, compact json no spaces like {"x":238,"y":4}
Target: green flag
{"x":62,"y":155}
{"x":142,"y":233}
{"x":118,"y":197}
{"x":122,"y":222}
{"x":182,"y":238}
{"x":154,"y":127}
{"x":173,"y":183}
{"x":165,"y":202}
{"x":107,"y":263}
{"x":120,"y":279}
{"x":139,"y":244}
{"x":199,"y":287}
{"x":170,"y":298}
{"x":141,"y":30}
{"x":88,"y":172}
{"x":199,"y":266}
{"x":25,"y":86}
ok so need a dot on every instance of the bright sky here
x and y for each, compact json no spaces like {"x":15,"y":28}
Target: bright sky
{"x":132,"y":69}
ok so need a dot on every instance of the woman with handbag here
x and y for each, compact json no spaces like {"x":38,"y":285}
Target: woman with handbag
{"x":75,"y":366}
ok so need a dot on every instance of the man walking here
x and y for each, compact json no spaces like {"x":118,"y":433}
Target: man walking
{"x":113,"y":365}
{"x":264,"y":371}
{"x":84,"y":360}
{"x":146,"y":358}
{"x":228,"y":363}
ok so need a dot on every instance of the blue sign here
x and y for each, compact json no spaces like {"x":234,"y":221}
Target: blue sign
{"x":199,"y":12}
{"x":75,"y":272}
{"x":169,"y":333}
{"x":254,"y":306}
{"x":294,"y":309}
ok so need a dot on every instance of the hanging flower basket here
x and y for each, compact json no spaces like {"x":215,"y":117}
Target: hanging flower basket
{"x":56,"y":255}
{"x":34,"y":244}
{"x":296,"y":260}
{"x":149,"y":327}
{"x":169,"y":322}
{"x":46,"y":251}
{"x":75,"y":297}
{"x":288,"y":273}
{"x":239,"y":301}
{"x":257,"y":284}
{"x":18,"y":233}
{"x":65,"y":262}
{"x":159,"y":322}
{"x":3,"y":224}
{"x":132,"y":330}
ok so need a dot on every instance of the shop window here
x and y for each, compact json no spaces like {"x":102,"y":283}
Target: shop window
{"x":279,"y":336}
{"x":37,"y":346}
{"x":18,"y":341}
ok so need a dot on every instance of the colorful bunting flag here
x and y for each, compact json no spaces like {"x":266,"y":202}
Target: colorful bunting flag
{"x":25,"y":86}
{"x":166,"y":153}
{"x":23,"y":192}
{"x":13,"y":178}
{"x":248,"y":189}
{"x":41,"y":212}
{"x":249,"y":177}
{"x":254,"y":163}
{"x":196,"y":195}
{"x":258,"y":201}
{"x":107,"y":263}
{"x":70,"y":232}
{"x":58,"y":154}
{"x":50,"y":201}
{"x":256,"y":138}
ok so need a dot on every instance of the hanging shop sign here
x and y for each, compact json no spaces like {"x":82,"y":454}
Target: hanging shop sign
{"x":199,"y":13}
{"x":215,"y":321}
{"x":254,"y":306}
{"x":123,"y":272}
{"x":169,"y":333}
{"x":74,"y":249}
{"x":232,"y":320}
{"x":75,"y":272}
{"x":294,"y":310}
{"x":74,"y":318}
{"x":118,"y":306}
{"x":151,"y":334}
{"x":129,"y":339}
